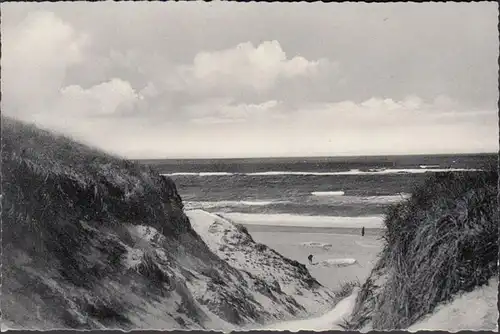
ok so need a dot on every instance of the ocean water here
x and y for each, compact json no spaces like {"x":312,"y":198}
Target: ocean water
{"x":297,"y":187}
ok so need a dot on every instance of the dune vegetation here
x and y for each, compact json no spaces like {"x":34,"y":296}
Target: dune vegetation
{"x":94,"y":241}
{"x":440,"y":242}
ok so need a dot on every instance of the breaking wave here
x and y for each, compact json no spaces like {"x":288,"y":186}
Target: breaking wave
{"x":328,"y":193}
{"x":341,"y":199}
{"x":190,"y":205}
{"x":379,"y":171}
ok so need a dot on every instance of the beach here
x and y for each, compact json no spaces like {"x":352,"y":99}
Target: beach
{"x":332,"y":248}
{"x":310,"y":206}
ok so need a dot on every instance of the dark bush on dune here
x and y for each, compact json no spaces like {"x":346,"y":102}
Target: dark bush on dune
{"x":441,"y":241}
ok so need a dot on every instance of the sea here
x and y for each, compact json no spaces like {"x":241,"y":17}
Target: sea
{"x":309,"y":189}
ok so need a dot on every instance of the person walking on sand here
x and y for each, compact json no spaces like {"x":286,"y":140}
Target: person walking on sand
{"x":310,"y":258}
{"x":363,"y":231}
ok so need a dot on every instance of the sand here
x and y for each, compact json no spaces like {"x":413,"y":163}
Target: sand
{"x":346,"y":244}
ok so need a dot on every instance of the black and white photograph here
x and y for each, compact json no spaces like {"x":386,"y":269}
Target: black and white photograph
{"x":234,"y":166}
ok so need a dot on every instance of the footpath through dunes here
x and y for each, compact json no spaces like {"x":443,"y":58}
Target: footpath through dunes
{"x":92,"y":241}
{"x":440,"y":259}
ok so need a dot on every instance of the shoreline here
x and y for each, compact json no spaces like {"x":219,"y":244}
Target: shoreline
{"x":312,"y":229}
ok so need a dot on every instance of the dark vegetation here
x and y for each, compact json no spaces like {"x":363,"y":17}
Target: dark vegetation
{"x":346,"y":288}
{"x":65,"y":208}
{"x":64,"y":211}
{"x":68,"y":214}
{"x":50,"y":185}
{"x":441,"y":241}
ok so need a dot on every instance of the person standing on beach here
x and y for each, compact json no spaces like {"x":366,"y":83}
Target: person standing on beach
{"x":310,"y":258}
{"x":363,"y":231}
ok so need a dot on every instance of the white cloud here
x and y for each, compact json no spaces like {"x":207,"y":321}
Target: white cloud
{"x":245,"y":65}
{"x":224,"y":110}
{"x":106,"y":98}
{"x":35,"y":56}
{"x":343,"y":91}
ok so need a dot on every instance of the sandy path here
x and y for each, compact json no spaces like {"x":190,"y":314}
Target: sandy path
{"x":326,"y":322}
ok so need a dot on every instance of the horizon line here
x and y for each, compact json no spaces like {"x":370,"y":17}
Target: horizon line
{"x":317,"y":156}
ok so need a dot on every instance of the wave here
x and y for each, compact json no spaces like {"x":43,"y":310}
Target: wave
{"x":200,"y":174}
{"x":190,"y":205}
{"x":317,"y":198}
{"x":328,"y":193}
{"x":284,"y":219}
{"x":429,"y":166}
{"x":377,"y":171}
{"x":385,"y":199}
{"x":381,"y":199}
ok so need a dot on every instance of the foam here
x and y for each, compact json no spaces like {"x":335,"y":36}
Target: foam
{"x":305,"y":221}
{"x":383,"y":199}
{"x":321,"y":197}
{"x":328,"y":193}
{"x":315,"y":244}
{"x":189,"y":205}
{"x":336,"y":262}
{"x":349,"y":172}
{"x":200,"y":174}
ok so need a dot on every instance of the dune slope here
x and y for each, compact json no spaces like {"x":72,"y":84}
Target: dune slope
{"x":94,"y":241}
{"x":291,"y":281}
{"x":441,"y":242}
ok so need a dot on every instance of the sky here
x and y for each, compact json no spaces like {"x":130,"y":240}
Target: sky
{"x":227,"y":80}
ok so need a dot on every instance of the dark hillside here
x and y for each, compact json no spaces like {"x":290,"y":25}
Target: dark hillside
{"x":61,"y":200}
{"x":94,"y":241}
{"x":441,"y":241}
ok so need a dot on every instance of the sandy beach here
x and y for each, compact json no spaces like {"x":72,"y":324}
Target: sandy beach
{"x":328,"y":246}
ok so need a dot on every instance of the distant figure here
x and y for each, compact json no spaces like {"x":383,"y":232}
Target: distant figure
{"x":310,"y":258}
{"x":363,"y":231}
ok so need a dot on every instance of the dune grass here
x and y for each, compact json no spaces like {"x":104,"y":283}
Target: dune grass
{"x":441,"y":241}
{"x":346,"y":288}
{"x":47,"y":177}
{"x":72,"y":216}
{"x":65,"y":212}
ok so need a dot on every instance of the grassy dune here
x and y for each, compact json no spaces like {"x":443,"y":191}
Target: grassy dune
{"x":441,"y":241}
{"x":93,"y":241}
{"x":66,"y":212}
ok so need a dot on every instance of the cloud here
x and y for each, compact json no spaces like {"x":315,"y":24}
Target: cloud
{"x":247,"y":66}
{"x":106,"y":98}
{"x":226,"y":112}
{"x":35,"y":56}
{"x":381,"y":113}
{"x":361,"y":85}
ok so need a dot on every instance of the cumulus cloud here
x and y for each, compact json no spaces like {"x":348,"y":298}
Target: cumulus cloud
{"x":245,"y":65}
{"x":359,"y":86}
{"x":106,"y":98}
{"x":35,"y":56}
